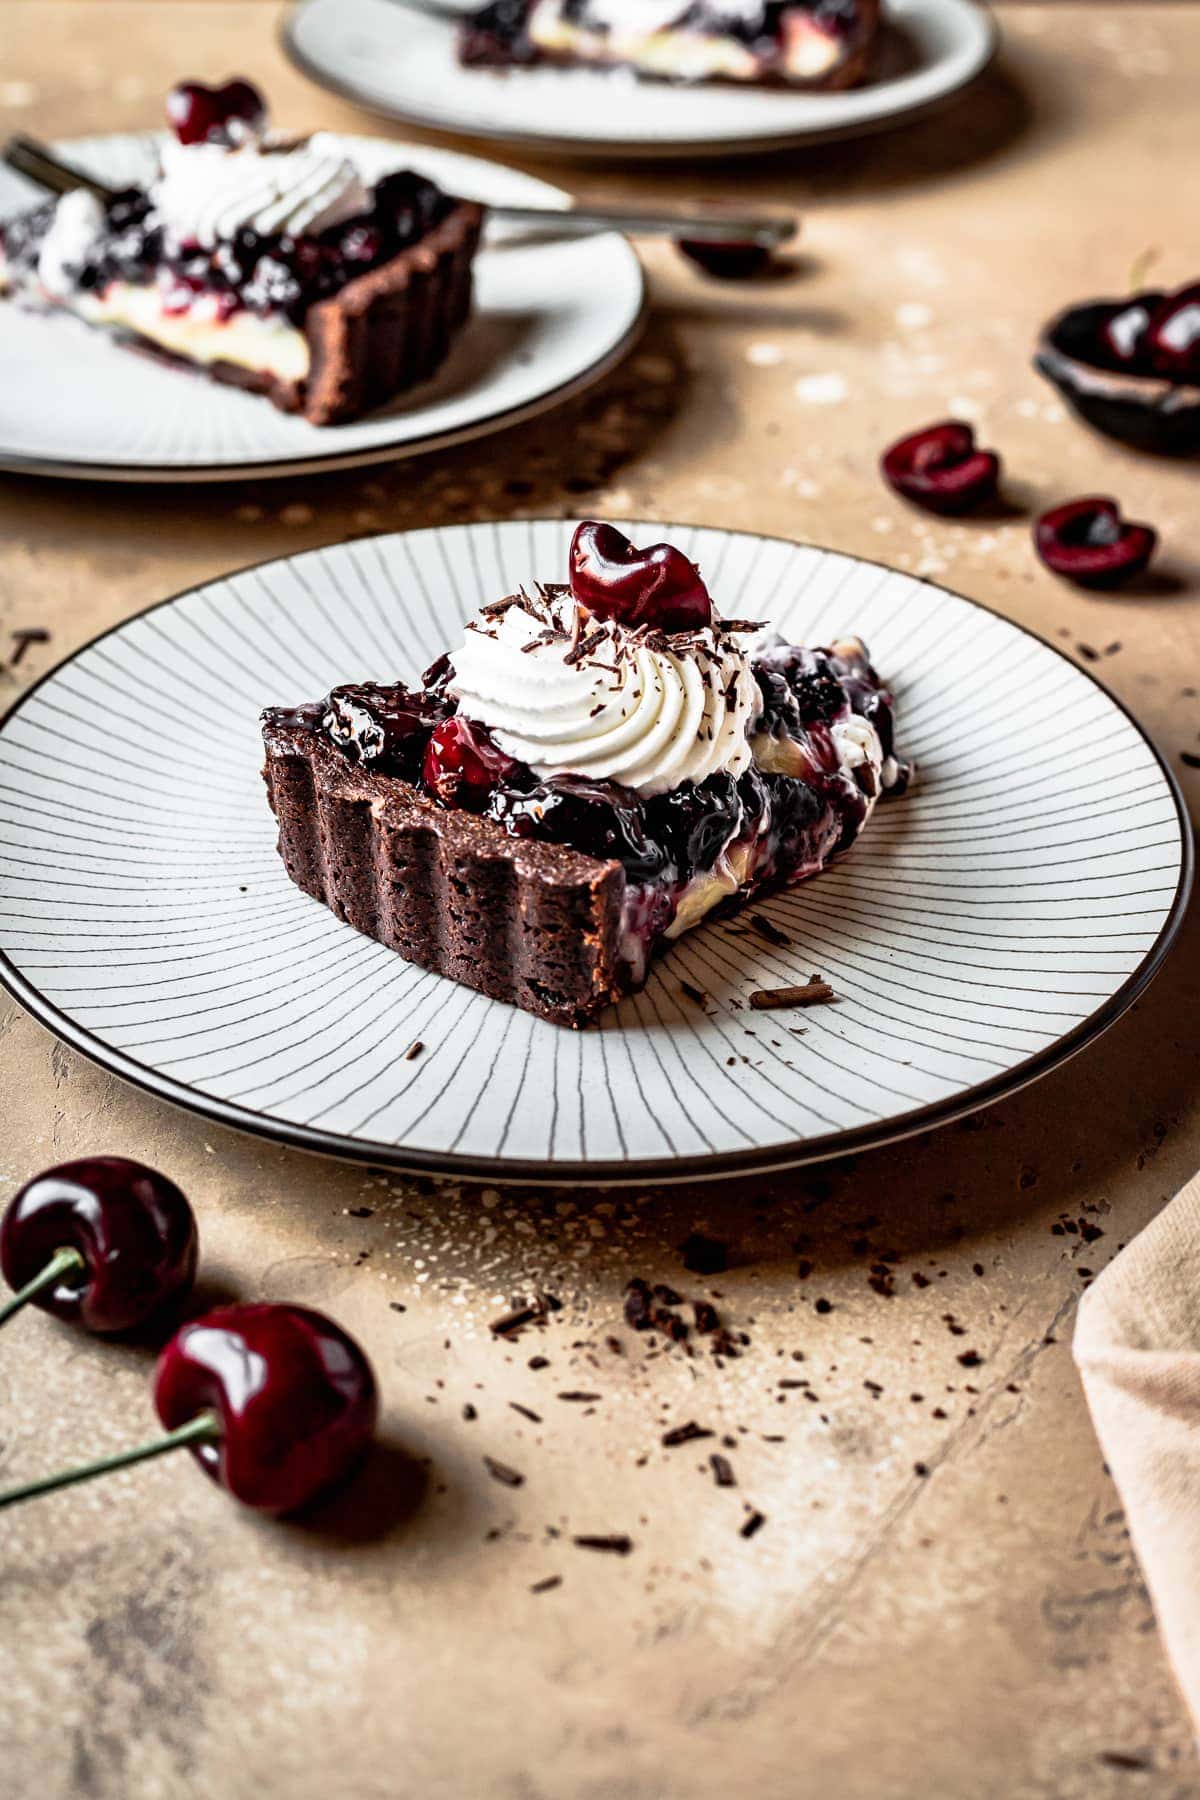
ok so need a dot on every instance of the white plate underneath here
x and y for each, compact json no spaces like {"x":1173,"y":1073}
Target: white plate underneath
{"x":986,"y":926}
{"x":550,"y":318}
{"x":401,"y":62}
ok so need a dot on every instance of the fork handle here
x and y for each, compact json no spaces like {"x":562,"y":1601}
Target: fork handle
{"x":30,"y":158}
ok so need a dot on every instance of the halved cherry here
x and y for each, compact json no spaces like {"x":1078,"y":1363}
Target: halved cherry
{"x":462,"y":764}
{"x":1173,"y":336}
{"x":941,"y":469}
{"x":215,"y":115}
{"x":612,"y":579}
{"x":1088,"y":542}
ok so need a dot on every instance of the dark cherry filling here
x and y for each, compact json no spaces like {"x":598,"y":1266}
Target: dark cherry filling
{"x":1088,"y":542}
{"x":597,"y":816}
{"x":261,"y":274}
{"x":390,"y":726}
{"x":498,"y":33}
{"x":941,"y":469}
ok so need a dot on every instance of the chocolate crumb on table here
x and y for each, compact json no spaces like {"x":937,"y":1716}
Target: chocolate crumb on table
{"x":29,"y":634}
{"x":414,"y":1050}
{"x":685,"y":1434}
{"x":754,"y":1523}
{"x":502,"y":1473}
{"x":704,"y":1255}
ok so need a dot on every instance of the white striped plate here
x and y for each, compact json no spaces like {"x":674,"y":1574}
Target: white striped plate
{"x":987,"y":925}
{"x":550,"y":318}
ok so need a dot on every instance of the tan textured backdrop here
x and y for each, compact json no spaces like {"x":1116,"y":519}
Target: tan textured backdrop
{"x":979,"y":1629}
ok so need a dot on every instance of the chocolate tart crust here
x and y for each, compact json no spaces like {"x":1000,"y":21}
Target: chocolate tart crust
{"x":533,"y":924}
{"x":391,"y":328}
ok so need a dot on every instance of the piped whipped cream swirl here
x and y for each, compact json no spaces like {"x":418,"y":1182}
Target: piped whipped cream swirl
{"x":635,"y":707}
{"x":207,"y":193}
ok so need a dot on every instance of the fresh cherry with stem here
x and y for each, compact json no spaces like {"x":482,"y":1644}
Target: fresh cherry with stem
{"x":102,"y":1242}
{"x":276,"y":1403}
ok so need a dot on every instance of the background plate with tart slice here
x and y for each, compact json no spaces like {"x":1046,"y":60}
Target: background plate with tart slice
{"x":402,"y":61}
{"x":550,"y":318}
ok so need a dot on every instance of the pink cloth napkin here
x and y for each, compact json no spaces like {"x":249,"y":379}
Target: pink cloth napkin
{"x":1137,"y":1344}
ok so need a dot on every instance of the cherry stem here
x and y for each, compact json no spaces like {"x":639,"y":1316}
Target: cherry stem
{"x":204,"y":1428}
{"x":66,"y":1261}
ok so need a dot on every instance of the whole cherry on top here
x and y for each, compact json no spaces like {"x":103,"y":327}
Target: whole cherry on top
{"x":276,"y":1403}
{"x":102,"y":1242}
{"x":225,"y":115}
{"x":659,"y":587}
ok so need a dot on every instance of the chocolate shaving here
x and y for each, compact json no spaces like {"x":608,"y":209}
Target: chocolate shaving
{"x":502,"y":1473}
{"x":526,"y":1412}
{"x":694,"y":994}
{"x":722,"y":1470}
{"x":547,"y":1582}
{"x":766,"y":929}
{"x":533,"y":1312}
{"x":616,"y":1542}
{"x":704,"y":1255}
{"x":543,"y":637}
{"x":739,"y":624}
{"x":754,"y":1523}
{"x":579,"y":650}
{"x":685,"y":1434}
{"x":414,"y":1050}
{"x":639,"y":1310}
{"x":29,"y":634}
{"x":814,"y":993}
{"x":584,"y":1399}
